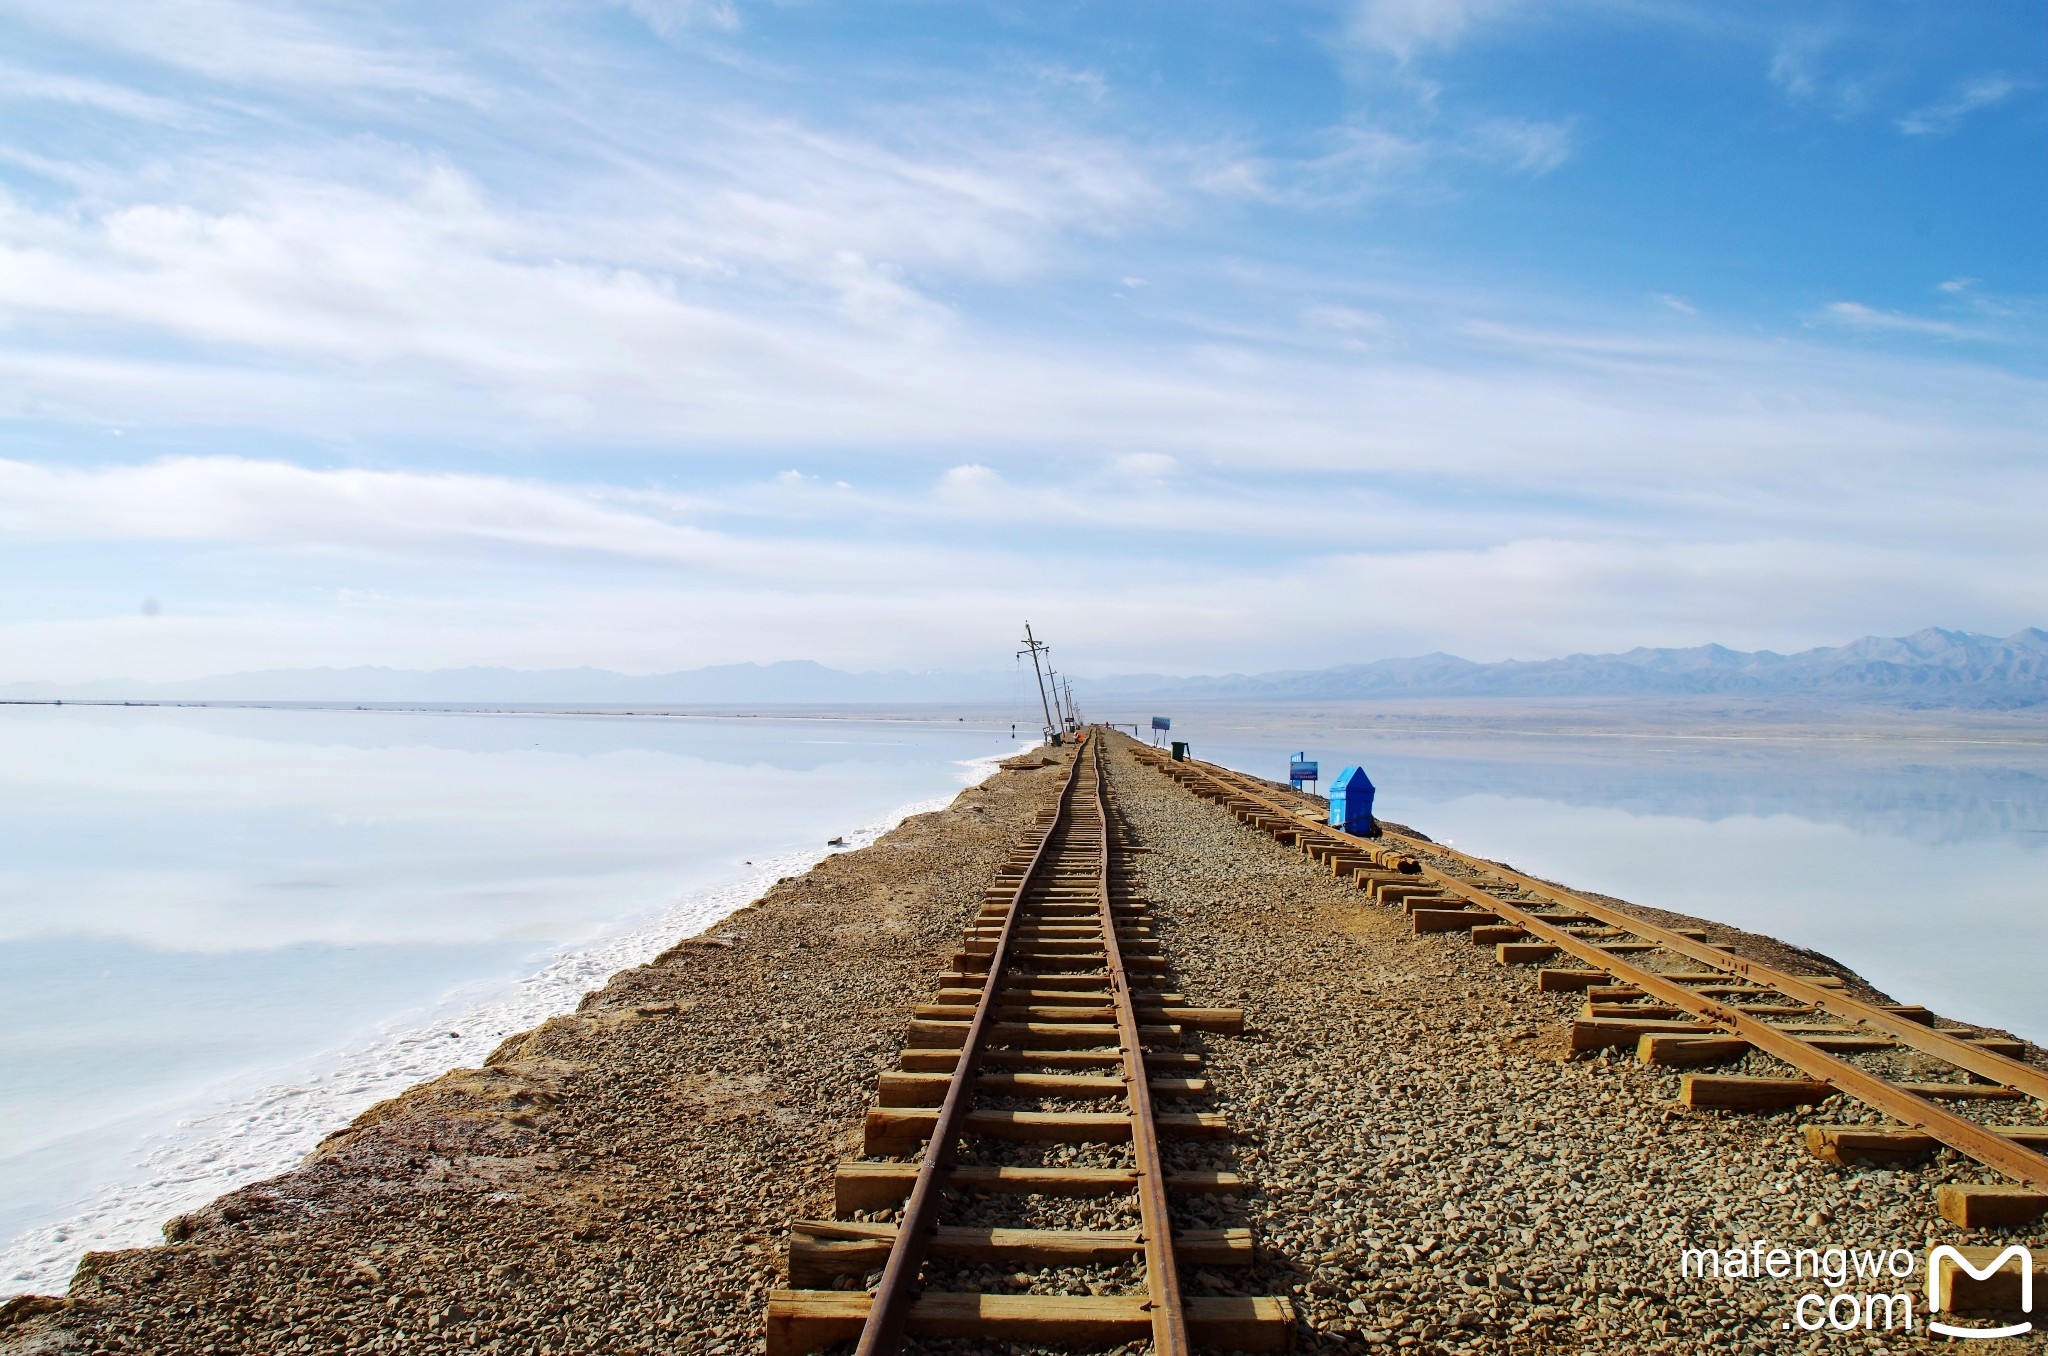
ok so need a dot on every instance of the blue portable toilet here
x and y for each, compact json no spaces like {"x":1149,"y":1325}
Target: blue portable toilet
{"x":1351,"y":802}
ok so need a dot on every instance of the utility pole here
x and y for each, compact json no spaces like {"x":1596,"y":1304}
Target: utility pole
{"x":1059,"y":709}
{"x":1073,"y":716}
{"x":1034,"y":647}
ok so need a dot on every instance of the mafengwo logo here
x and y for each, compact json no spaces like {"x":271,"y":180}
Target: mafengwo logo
{"x":1941,"y":1288}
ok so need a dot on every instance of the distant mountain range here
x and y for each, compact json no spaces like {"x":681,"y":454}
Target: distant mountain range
{"x":1931,"y":668}
{"x":1928,"y":668}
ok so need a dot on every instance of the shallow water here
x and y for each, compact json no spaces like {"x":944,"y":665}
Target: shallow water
{"x":1917,"y":862}
{"x":225,"y":932}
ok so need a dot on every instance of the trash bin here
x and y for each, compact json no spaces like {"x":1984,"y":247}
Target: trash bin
{"x":1180,"y":751}
{"x":1351,"y":803}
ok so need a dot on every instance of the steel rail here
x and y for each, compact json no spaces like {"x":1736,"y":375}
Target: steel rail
{"x":1986,"y":1063}
{"x":1958,"y":1132}
{"x":1162,"y":1272}
{"x":1918,"y":1113}
{"x":882,"y":1333}
{"x":1989,"y":1064}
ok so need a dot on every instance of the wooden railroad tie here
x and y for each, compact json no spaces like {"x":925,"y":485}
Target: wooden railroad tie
{"x":1957,"y":1289}
{"x":1894,"y":1144}
{"x":1990,"y":1206}
{"x":807,"y":1320}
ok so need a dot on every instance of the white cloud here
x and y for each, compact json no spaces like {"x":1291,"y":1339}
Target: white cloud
{"x":283,"y":508}
{"x":971,"y":487}
{"x":1792,"y":72}
{"x":709,"y":286}
{"x":1148,"y":468}
{"x":642,"y":579}
{"x":411,"y":328}
{"x":957,"y":189}
{"x":1350,"y":327}
{"x":1674,"y":303}
{"x":781,"y":255}
{"x":1798,"y":69}
{"x":1530,"y":594}
{"x":233,"y":499}
{"x":1856,"y":316}
{"x":1405,"y":27}
{"x":1945,"y":115}
{"x":22,"y":85}
{"x":1520,"y":144}
{"x":674,"y":18}
{"x":1955,"y":285}
{"x":1092,"y":85}
{"x":244,"y":43}
{"x":1356,"y":163}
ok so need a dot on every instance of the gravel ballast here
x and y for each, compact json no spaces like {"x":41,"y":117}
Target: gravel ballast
{"x":1428,"y":1172}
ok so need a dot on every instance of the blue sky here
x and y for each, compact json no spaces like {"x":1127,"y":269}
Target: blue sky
{"x":671,"y":332}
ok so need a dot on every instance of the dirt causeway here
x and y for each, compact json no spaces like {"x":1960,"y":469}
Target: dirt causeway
{"x":1429,"y":1173}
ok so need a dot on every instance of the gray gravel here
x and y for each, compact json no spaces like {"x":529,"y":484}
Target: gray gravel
{"x":1429,"y":1172}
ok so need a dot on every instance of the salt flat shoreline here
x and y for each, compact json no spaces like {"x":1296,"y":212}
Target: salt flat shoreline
{"x":1707,"y":719}
{"x":1427,"y":1172}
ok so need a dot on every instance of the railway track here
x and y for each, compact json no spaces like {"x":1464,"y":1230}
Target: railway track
{"x":1674,"y":998}
{"x":1022,"y":1164}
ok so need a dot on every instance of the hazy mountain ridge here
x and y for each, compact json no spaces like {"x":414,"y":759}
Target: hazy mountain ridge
{"x":1932,"y":667}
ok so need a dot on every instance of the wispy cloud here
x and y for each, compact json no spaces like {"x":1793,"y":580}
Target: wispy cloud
{"x":1792,"y":71}
{"x":676,"y":18}
{"x":1808,"y":69}
{"x":1945,"y":115}
{"x":1855,"y":315}
{"x":22,"y":85}
{"x":1521,"y":144}
{"x":497,"y":342}
{"x":775,"y":252}
{"x":1406,"y":27}
{"x":243,"y":43}
{"x":295,"y":509}
{"x":1354,"y":164}
{"x":1359,"y":163}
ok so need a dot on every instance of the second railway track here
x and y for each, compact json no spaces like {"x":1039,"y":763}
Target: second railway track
{"x":1672,"y":997}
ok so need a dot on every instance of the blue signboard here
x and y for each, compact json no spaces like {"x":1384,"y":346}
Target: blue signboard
{"x":1162,"y":722}
{"x":1301,"y":769}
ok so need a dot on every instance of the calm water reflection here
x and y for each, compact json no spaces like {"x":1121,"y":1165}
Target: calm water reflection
{"x":197,"y":904}
{"x":1918,"y":863}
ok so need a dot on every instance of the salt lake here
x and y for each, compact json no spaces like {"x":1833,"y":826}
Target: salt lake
{"x":225,"y":932}
{"x":1916,"y":859}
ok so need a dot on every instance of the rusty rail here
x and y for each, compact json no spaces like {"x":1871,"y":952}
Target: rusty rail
{"x":1985,"y":1063}
{"x":882,"y":1335}
{"x":1162,"y":1273}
